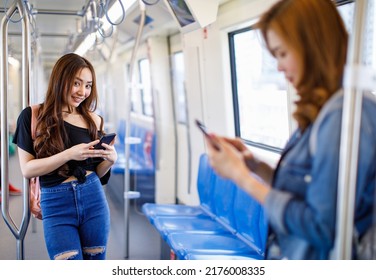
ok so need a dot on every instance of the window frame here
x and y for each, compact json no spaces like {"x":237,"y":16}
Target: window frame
{"x":143,"y":89}
{"x":235,"y":98}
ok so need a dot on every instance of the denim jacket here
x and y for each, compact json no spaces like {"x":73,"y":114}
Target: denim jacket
{"x":301,"y":208}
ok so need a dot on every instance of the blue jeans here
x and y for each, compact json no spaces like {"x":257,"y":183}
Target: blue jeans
{"x":76,"y":220}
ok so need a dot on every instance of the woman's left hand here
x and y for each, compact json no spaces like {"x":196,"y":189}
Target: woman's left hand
{"x":227,"y":161}
{"x":109,"y":153}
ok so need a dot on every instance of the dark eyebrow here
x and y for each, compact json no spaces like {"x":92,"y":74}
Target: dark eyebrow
{"x":89,"y":82}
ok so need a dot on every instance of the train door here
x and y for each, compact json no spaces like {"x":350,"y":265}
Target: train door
{"x":185,"y":180}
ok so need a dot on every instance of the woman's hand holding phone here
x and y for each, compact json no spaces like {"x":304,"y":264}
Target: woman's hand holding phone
{"x":237,"y":143}
{"x":203,"y":128}
{"x":107,"y":139}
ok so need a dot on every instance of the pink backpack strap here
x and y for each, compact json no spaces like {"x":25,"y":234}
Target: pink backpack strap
{"x":34,"y":114}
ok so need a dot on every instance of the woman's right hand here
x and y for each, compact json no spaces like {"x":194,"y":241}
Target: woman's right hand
{"x":248,"y":156}
{"x":227,"y":161}
{"x":236,"y":142}
{"x":84,"y":151}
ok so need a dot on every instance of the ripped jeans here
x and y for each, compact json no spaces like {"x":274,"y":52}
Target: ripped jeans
{"x":76,"y":220}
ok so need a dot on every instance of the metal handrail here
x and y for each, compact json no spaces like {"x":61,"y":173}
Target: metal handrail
{"x":19,"y":233}
{"x":127,"y":192}
{"x":348,"y":162}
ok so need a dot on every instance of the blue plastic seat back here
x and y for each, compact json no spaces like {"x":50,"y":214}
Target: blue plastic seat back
{"x":121,"y":131}
{"x":148,"y":149}
{"x":136,"y":150}
{"x":263,"y":227}
{"x":152,"y":210}
{"x":184,"y":244}
{"x":224,"y":191}
{"x":142,"y":152}
{"x":220,"y":257}
{"x":154,"y":149}
{"x":205,"y":183}
{"x":134,"y":130}
{"x":247,"y":218}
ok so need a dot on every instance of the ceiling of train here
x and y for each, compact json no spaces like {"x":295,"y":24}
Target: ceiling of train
{"x":57,"y":23}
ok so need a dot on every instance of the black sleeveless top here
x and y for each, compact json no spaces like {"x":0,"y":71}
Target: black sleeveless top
{"x":77,"y":135}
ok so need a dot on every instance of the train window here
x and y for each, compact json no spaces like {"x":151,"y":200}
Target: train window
{"x":347,"y":12}
{"x":259,"y":91}
{"x":347,"y":9}
{"x":177,"y":62}
{"x":370,"y":36}
{"x":145,"y":82}
{"x":133,"y":93}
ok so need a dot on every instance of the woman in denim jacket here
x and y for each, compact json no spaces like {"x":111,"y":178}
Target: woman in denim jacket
{"x":309,"y":41}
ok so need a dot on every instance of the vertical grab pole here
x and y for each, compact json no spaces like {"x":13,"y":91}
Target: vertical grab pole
{"x":351,"y":117}
{"x":18,"y":233}
{"x":127,"y":194}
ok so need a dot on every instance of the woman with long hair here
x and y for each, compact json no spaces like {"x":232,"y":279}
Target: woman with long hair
{"x":76,"y":219}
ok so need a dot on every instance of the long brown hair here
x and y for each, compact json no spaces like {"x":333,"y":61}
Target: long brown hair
{"x":50,"y":131}
{"x":315,"y":30}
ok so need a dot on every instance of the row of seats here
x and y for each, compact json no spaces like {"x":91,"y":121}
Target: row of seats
{"x":228,"y":223}
{"x":142,"y":150}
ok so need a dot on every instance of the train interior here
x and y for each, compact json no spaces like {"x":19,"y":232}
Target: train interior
{"x":160,"y":66}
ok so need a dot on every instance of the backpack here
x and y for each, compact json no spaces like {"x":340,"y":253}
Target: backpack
{"x":34,"y":198}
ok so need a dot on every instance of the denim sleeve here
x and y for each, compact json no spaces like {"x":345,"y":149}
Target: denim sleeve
{"x":275,"y":205}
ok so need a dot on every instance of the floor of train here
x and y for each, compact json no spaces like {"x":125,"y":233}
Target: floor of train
{"x":144,"y":241}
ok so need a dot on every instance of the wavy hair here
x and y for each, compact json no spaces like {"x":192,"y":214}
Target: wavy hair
{"x":315,"y":30}
{"x":51,"y":135}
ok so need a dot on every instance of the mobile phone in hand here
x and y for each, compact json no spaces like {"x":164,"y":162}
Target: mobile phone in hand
{"x":107,"y":138}
{"x":203,"y":128}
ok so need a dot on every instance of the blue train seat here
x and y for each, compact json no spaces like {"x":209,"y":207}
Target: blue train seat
{"x":142,"y":161}
{"x":219,"y":257}
{"x":204,"y":244}
{"x":205,"y":175}
{"x":217,"y":222}
{"x":231,"y":225}
{"x":244,"y":240}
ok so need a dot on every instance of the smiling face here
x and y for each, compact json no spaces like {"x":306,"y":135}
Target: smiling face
{"x":81,"y":88}
{"x":287,"y":59}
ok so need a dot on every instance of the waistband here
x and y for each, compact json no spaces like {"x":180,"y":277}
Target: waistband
{"x":91,"y":178}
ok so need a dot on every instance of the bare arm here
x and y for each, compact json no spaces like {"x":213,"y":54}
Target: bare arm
{"x":109,"y":157}
{"x":31,"y":167}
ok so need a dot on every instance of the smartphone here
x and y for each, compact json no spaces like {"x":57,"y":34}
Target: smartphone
{"x":203,"y":128}
{"x":107,"y":138}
